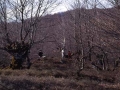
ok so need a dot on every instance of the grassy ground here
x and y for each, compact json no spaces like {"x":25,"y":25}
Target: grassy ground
{"x":51,"y":74}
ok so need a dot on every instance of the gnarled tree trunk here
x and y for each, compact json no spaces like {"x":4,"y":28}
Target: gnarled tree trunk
{"x":19,"y":52}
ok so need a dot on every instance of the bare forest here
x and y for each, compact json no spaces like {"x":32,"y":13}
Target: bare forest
{"x":73,"y":50}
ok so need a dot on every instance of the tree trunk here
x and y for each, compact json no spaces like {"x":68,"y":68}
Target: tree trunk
{"x":19,"y":52}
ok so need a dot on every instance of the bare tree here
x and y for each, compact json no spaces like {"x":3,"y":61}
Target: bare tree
{"x":26,"y":14}
{"x":78,"y":31}
{"x":86,"y":34}
{"x":115,"y":3}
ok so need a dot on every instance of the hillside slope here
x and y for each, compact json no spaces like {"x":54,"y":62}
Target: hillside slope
{"x":51,"y":74}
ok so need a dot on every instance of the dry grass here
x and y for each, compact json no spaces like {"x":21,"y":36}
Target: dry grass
{"x":50,"y":74}
{"x":111,"y":86}
{"x":43,"y":83}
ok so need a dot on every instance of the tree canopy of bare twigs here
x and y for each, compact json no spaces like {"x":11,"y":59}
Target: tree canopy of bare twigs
{"x":25,"y":16}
